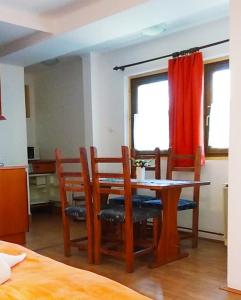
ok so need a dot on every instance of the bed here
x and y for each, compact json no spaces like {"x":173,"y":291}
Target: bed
{"x":39,"y":277}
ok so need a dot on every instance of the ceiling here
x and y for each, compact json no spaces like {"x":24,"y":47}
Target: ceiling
{"x":39,"y":6}
{"x":34,"y":31}
{"x":10,"y":32}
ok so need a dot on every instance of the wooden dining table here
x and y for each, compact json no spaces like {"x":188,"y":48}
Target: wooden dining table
{"x":168,"y":248}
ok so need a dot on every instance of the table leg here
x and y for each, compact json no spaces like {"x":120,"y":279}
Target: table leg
{"x":168,"y":248}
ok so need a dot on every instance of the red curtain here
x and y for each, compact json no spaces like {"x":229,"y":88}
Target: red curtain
{"x":185,"y":75}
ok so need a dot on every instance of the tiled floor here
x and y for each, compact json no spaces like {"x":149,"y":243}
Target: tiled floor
{"x":198,"y":276}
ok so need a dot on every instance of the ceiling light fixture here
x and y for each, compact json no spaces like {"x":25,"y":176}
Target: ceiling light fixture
{"x":154,"y":30}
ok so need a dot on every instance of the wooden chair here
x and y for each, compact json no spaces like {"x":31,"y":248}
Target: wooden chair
{"x":72,"y":181}
{"x":155,"y":156}
{"x":125,"y":214}
{"x":185,"y":204}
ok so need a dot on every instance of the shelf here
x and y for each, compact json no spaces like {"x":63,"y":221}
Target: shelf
{"x":34,"y":186}
{"x":43,"y":188}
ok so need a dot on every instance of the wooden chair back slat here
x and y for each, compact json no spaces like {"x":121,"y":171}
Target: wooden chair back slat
{"x":109,"y":175}
{"x":183,"y":169}
{"x":74,"y":182}
{"x":69,"y":160}
{"x":71,"y":174}
{"x":109,"y":160}
{"x":111,"y":191}
{"x":73,"y":189}
{"x":184,"y":156}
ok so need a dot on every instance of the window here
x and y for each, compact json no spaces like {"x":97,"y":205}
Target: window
{"x":150,"y":104}
{"x":216,"y":108}
{"x":149,"y":118}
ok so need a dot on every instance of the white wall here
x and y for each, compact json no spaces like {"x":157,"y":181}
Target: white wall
{"x":87,"y":94}
{"x":13,"y":146}
{"x":59,"y":108}
{"x":234,"y":205}
{"x":110,"y":105}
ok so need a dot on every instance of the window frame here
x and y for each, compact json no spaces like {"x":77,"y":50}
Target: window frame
{"x":134,"y":84}
{"x":209,"y":69}
{"x":1,"y":115}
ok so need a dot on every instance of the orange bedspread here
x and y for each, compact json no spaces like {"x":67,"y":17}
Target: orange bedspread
{"x":41,"y":278}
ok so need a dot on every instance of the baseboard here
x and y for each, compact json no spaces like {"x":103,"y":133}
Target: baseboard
{"x":211,"y":236}
{"x":230,"y":290}
{"x":206,"y":234}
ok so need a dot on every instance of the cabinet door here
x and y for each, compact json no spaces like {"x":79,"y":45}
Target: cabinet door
{"x":13,"y":201}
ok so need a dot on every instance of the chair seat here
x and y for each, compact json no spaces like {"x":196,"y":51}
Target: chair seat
{"x":183,"y":204}
{"x":137,"y":200}
{"x":116,"y":213}
{"x":75,"y":211}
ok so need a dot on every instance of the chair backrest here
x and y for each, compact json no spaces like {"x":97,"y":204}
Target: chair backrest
{"x":154,"y":156}
{"x":123,"y":188}
{"x":74,"y":181}
{"x":195,"y":168}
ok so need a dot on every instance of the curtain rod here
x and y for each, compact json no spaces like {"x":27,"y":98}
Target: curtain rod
{"x":174,"y":55}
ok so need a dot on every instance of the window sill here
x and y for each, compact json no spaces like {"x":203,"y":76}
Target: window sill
{"x":2,"y":118}
{"x":216,"y":157}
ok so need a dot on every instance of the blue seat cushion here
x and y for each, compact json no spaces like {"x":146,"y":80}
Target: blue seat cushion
{"x":75,"y":211}
{"x":116,"y":213}
{"x":183,"y":204}
{"x":137,"y":200}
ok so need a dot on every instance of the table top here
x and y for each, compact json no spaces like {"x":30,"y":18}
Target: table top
{"x":12,"y":167}
{"x":153,"y":184}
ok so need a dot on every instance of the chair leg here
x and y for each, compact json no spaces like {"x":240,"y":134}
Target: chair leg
{"x":195,"y":220}
{"x":66,"y":233}
{"x":156,"y":232}
{"x":97,"y":242}
{"x":129,"y":247}
{"x":90,"y":241}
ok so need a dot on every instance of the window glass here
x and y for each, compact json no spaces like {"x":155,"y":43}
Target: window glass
{"x":151,"y":123}
{"x":219,"y":111}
